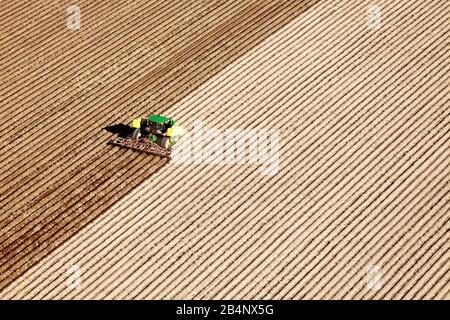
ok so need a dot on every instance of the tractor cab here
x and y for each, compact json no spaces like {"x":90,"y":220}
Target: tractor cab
{"x":159,"y":123}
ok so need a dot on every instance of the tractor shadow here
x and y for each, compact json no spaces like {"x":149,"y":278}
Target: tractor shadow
{"x":122,"y":130}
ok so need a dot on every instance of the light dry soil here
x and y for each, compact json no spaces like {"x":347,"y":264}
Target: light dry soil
{"x":362,"y":187}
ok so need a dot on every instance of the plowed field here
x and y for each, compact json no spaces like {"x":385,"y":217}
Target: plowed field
{"x":362,"y":183}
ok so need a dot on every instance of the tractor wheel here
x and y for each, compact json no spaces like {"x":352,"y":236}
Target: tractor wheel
{"x":163,"y":142}
{"x":136,"y":134}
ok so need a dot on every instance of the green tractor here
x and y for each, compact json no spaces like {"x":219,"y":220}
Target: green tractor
{"x":156,"y":128}
{"x":155,"y":134}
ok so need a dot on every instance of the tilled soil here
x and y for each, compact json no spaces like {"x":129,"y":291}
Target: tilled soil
{"x":363,"y":178}
{"x":57,"y":172}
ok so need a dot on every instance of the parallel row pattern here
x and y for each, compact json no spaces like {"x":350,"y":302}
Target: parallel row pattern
{"x":57,"y":172}
{"x":363,"y":178}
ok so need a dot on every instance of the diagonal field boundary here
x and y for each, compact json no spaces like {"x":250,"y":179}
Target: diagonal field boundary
{"x":362,"y":185}
{"x":59,"y":176}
